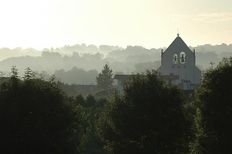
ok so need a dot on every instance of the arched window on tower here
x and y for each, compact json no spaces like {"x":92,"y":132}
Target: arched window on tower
{"x":175,"y":59}
{"x":182,"y":57}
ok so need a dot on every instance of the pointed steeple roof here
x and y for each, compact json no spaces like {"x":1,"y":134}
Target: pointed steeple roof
{"x":178,"y":45}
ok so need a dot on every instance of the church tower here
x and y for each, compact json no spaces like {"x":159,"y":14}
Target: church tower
{"x":180,"y":61}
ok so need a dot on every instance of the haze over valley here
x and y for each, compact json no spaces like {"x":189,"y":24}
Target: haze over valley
{"x":80,"y":63}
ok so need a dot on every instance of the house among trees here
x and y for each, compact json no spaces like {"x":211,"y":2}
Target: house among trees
{"x":178,"y":67}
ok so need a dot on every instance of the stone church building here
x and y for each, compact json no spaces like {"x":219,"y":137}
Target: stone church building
{"x":178,"y":65}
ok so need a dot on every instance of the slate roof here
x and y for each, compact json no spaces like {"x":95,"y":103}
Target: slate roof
{"x":178,"y":45}
{"x":127,"y":77}
{"x":123,"y":77}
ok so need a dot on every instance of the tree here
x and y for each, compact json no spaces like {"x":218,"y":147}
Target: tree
{"x":29,"y":74}
{"x":36,"y":117}
{"x":215,"y":103}
{"x":105,"y":78}
{"x":197,"y":145}
{"x":14,"y":73}
{"x":90,"y":101}
{"x":149,"y":118}
{"x":90,"y":142}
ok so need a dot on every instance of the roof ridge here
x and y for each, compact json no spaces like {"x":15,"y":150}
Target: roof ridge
{"x":178,"y":39}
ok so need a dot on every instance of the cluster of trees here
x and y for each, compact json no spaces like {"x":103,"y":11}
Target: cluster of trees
{"x":213,"y":114}
{"x":36,"y":116}
{"x":91,"y":110}
{"x":150,"y":117}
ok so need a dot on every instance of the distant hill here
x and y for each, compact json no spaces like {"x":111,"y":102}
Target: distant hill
{"x":90,"y":58}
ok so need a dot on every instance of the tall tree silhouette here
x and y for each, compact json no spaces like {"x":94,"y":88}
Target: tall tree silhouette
{"x":105,"y":78}
{"x":28,"y":74}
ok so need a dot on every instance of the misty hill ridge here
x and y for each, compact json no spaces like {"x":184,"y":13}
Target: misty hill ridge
{"x":84,"y":59}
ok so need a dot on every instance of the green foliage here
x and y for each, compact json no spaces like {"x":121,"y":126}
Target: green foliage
{"x":105,"y":78}
{"x":90,"y":101}
{"x":90,"y":142}
{"x":197,"y":146}
{"x":149,"y":118}
{"x":215,"y":103}
{"x":80,"y":100}
{"x":36,"y":117}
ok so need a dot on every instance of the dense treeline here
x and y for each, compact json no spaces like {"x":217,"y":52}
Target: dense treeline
{"x":36,"y":116}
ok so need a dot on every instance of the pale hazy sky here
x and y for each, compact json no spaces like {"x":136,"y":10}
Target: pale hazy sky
{"x":150,"y":23}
